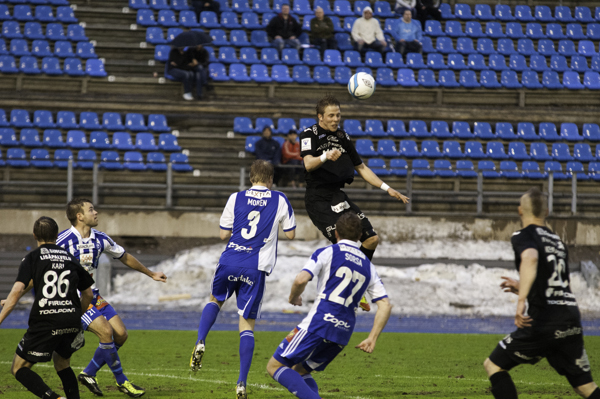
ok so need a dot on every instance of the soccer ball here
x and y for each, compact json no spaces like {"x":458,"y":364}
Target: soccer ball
{"x":361,"y":85}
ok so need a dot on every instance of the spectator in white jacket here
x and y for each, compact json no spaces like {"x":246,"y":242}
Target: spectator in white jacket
{"x":403,"y":5}
{"x":367,"y":33}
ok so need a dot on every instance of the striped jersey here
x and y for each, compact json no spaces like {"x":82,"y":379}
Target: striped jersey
{"x":344,"y":274}
{"x":253,"y":216}
{"x":88,"y":250}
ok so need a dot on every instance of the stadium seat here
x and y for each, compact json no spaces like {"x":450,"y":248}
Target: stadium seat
{"x":468,"y":79}
{"x":465,"y":169}
{"x":594,"y":170}
{"x":546,"y":48}
{"x":250,"y":21}
{"x":473,"y":29}
{"x":446,"y":11}
{"x":208,"y":19}
{"x":227,"y":55}
{"x":180,"y":5}
{"x":29,"y":65}
{"x":556,"y":169}
{"x":134,"y":161}
{"x":284,"y":125}
{"x":453,"y":29}
{"x":168,"y":142}
{"x":514,"y":30}
{"x":312,"y":57}
{"x":483,"y":131}
{"x":373,"y":60}
{"x":509,"y":170}
{"x":19,"y":47}
{"x":99,"y":140}
{"x":502,"y":12}
{"x":359,"y":5}
{"x":550,"y":80}
{"x":543,"y":14}
{"x":65,"y":14}
{"x":112,"y":121}
{"x":525,"y":47}
{"x":290,"y":56}
{"x":554,"y":31}
{"x":523,"y":13}
{"x":62,"y":157}
{"x":43,"y":119}
{"x":219,"y":38}
{"x":63,"y":49}
{"x":426,"y":78}
{"x":22,"y":13}
{"x":250,"y":143}
{"x":353,"y":127}
{"x":518,"y":151}
{"x":560,"y":152}
{"x":443,"y":168}
{"x":40,"y":48}
{"x":425,"y":42}
{"x":489,"y":79}
{"x":11,"y":30}
{"x":122,"y":141}
{"x":526,"y":131}
{"x":506,"y":47}
{"x":53,"y":139}
{"x":558,"y":63}
{"x":456,"y":62}
{"x":95,"y":68}
{"x":444,"y":45}
{"x":569,"y":132}
{"x":5,"y":14}
{"x":269,"y":56}
{"x":301,"y":74}
{"x":8,"y":137}
{"x":263,"y":122}
{"x":33,"y":31}
{"x":497,"y":62}
{"x":576,"y":168}
{"x":145,"y":18}
{"x":537,"y":62}
{"x":572,"y":81}
{"x":591,"y":132}
{"x":462,"y":130}
{"x":349,"y":23}
{"x":451,"y":149}
{"x":439,"y":129}
{"x":582,"y":152}
{"x":217,"y":72}
{"x":431,"y":149}
{"x":374,"y":128}
{"x":158,"y":4}
{"x":77,"y":139}
{"x":408,"y":149}
{"x":510,"y":80}
{"x":476,"y":62}
{"x":351,"y":58}
{"x":539,"y":152}
{"x":396,"y":128}
{"x":20,"y":118}
{"x":342,"y":75}
{"x":504,"y":131}
{"x":548,"y":132}
{"x":433,"y":28}
{"x":531,"y":170}
{"x":241,"y":6}
{"x":333,"y":58}
{"x":517,"y":63}
{"x":593,"y":31}
{"x":180,"y":163}
{"x":161,"y":52}
{"x":342,"y":8}
{"x":281,"y":74}
{"x":378,"y":167}
{"x":30,"y":138}
{"x":248,"y":55}
{"x":3,"y":119}
{"x":406,"y":78}
{"x":435,"y":61}
{"x":488,"y":169}
{"x":418,"y":129}
{"x":586,"y":48}
{"x":563,"y":14}
{"x":398,"y":167}
{"x":415,"y":61}
{"x":463,"y":11}
{"x":137,"y":4}
{"x":109,"y":160}
{"x":382,"y":9}
{"x":322,"y":75}
{"x":584,"y":15}
{"x":239,"y":38}
{"x":533,"y":30}
{"x":187,"y":19}
{"x":40,"y":158}
{"x":575,"y":32}
{"x":485,"y":46}
{"x":305,"y":123}
{"x":566,"y":48}
{"x":261,"y":6}
{"x":156,"y":161}
{"x":495,"y":150}
{"x":579,"y":63}
{"x":483,"y":12}
{"x":385,"y":77}
{"x":387,"y":148}
{"x":135,"y":122}
{"x":85,"y":50}
{"x":447,"y":79}
{"x":229,"y":20}
{"x":421,"y":168}
{"x":16,"y":158}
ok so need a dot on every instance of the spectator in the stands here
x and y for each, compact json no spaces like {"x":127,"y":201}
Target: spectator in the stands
{"x":267,"y":148}
{"x":407,"y":33}
{"x":284,"y":30}
{"x":290,"y":155}
{"x":191,"y":68}
{"x":403,"y":5}
{"x":206,"y":5}
{"x":367,"y":33}
{"x":321,"y":31}
{"x":428,"y":9}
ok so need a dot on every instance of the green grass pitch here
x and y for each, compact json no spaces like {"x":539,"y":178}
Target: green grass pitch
{"x":402,"y":366}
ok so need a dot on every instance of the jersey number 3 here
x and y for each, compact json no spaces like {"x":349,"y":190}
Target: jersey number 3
{"x":347,"y":275}
{"x":254,"y":218}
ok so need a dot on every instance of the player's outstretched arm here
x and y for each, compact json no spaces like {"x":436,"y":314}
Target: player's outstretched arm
{"x":527,"y":274}
{"x":298,"y":287}
{"x":131,"y":262}
{"x":384,"y":310}
{"x":25,"y":291}
{"x":510,"y":285}
{"x":11,"y":301}
{"x":366,"y":173}
{"x":313,"y":163}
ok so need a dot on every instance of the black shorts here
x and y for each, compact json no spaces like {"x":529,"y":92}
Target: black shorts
{"x":324,"y":207}
{"x":37,"y":347}
{"x":563,"y":347}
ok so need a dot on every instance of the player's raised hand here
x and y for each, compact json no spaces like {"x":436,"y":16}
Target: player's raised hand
{"x":334,"y":155}
{"x":397,"y":195}
{"x":510,"y":285}
{"x":366,"y":346}
{"x":296,"y":301}
{"x":521,"y":320}
{"x":159,"y":276}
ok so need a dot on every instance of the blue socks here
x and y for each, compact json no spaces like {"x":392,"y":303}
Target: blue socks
{"x":310,"y":381}
{"x":97,"y":362}
{"x":209,"y":315}
{"x":108,"y":353}
{"x":246,"y":352}
{"x":294,"y":383}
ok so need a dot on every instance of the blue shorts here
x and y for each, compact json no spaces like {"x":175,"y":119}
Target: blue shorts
{"x":248,"y":285}
{"x":308,"y":349}
{"x":98,"y":307}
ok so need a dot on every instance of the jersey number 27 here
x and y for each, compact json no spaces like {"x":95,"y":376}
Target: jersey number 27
{"x":348,"y":276}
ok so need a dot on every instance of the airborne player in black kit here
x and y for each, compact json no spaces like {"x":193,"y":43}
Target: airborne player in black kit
{"x":55,"y":320}
{"x":550,"y":326}
{"x":330,"y":160}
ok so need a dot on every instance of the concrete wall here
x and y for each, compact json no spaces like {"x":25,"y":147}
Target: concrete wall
{"x":395,"y":229}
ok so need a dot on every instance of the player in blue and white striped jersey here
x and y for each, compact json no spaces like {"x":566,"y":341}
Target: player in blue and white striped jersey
{"x":87,"y":244}
{"x":345,"y":274}
{"x":251,"y":222}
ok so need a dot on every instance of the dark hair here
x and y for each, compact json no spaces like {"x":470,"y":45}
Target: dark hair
{"x":349,"y":226}
{"x":538,"y":202}
{"x":292,"y":131}
{"x":267,"y":127}
{"x":261,"y":171}
{"x":74,"y":207}
{"x":325,"y":102}
{"x":45,"y":229}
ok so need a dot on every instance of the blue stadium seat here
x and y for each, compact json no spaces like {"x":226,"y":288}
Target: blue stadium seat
{"x":558,"y":63}
{"x":241,"y":6}
{"x":488,"y":169}
{"x":468,"y":79}
{"x":444,"y":45}
{"x":476,"y":62}
{"x":398,"y":167}
{"x":504,"y":131}
{"x":446,"y":11}
{"x":33,"y":30}
{"x":11,"y":30}
{"x":224,"y":5}
{"x":497,"y":62}
{"x":462,"y":130}
{"x":506,"y":47}
{"x":483,"y":131}
{"x":77,"y":139}
{"x":109,"y":160}
{"x":349,"y":23}
{"x":168,"y":142}
{"x":431,"y":149}
{"x":322,"y":75}
{"x":351,"y":58}
{"x":374,"y":128}
{"x":51,"y":66}
{"x":495,"y":150}
{"x":566,"y":48}
{"x":156,"y":161}
{"x":408,"y":149}
{"x":301,"y":7}
{"x":112,"y":121}
{"x":550,"y":80}
{"x":378,"y":167}
{"x":485,"y":46}
{"x":548,"y":132}
{"x":333,"y":58}
{"x":489,"y":79}
{"x":382,"y":9}
{"x":406,"y":78}
{"x":40,"y":158}
{"x":306,"y":123}
{"x":415,"y":61}
{"x":85,"y":160}
{"x":134,"y":161}
{"x":426,"y":78}
{"x":514,"y":30}
{"x":396,"y":128}
{"x":365,"y":148}
{"x":229,"y":20}
{"x":261,"y":123}
{"x":19,"y":47}
{"x":145,"y":18}
{"x":593,"y":31}
{"x":342,"y":75}
{"x":259,"y":38}
{"x":65,"y":14}
{"x":337,"y":24}
{"x":483,"y":12}
{"x":494,"y":30}
{"x":43,"y":119}
{"x":439,"y":129}
{"x":89,"y":120}
{"x":517,"y":63}
{"x":456,"y":62}
{"x":533,"y":30}
{"x":576,"y":168}
{"x":343,"y":41}
{"x":575,"y":32}
{"x":284,"y":125}
{"x":584,"y":14}
{"x":395,"y":61}
{"x":250,"y":21}
{"x":22,"y":13}
{"x":30,"y":138}
{"x":473,"y":29}
{"x":583,"y":153}
{"x":537,"y":62}
{"x":53,"y":139}
{"x":3,"y":119}
{"x":55,"y":31}
{"x":122,"y":141}
{"x":561,"y":152}
{"x":510,"y":80}
{"x":425,"y":42}
{"x":208,"y":19}
{"x":465,"y":169}
{"x":509,"y":170}
{"x":594,"y":170}
{"x":502,"y":12}
{"x":29,"y":65}
{"x":239,"y":38}
{"x":525,"y":47}
{"x":62,"y":157}
{"x":518,"y":151}
{"x":531,"y":170}
{"x":572,"y":81}
{"x":188,"y":19}
{"x":5,"y":14}
{"x":20,"y":118}
{"x":99,"y":140}
{"x":591,"y":80}
{"x":591,"y":132}
{"x":251,"y":143}
{"x":248,"y":55}
{"x":543,"y":14}
{"x":161,"y":52}
{"x":261,"y":6}
{"x":85,"y":50}
{"x":433,"y":28}
{"x":8,"y":137}
{"x":526,"y":131}
{"x":421,"y":168}
{"x":579,"y":63}
{"x":586,"y":48}
{"x":556,"y":169}
{"x":373,"y":59}
{"x":554,"y":31}
{"x":359,"y":5}
{"x":63,"y":49}
{"x":135,"y":122}
{"x":281,"y":74}
{"x":569,"y":132}
{"x":435,"y":61}
{"x":523,"y":13}
{"x":269,"y":56}
{"x":154,"y":35}
{"x":301,"y":74}
{"x":443,"y":168}
{"x":353,"y":127}
{"x":453,"y":29}
{"x":546,"y":47}
{"x":418,"y":129}
{"x":180,"y":5}
{"x":95,"y":68}
{"x":158,"y":4}
{"x":219,"y":37}
{"x":227,"y":55}
{"x":16,"y":158}
{"x":387,"y":148}
{"x":451,"y":149}
{"x":137,"y":4}
{"x":447,"y":79}
{"x":463,"y":11}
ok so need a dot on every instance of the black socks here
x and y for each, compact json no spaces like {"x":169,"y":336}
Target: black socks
{"x":503,"y":386}
{"x":34,"y":383}
{"x":69,"y":381}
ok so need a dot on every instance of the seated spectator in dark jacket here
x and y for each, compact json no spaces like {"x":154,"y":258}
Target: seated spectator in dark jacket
{"x":428,"y":9}
{"x":267,"y":148}
{"x":283,"y":30}
{"x":321,"y":31}
{"x":191,"y":68}
{"x":206,"y":5}
{"x":407,"y":33}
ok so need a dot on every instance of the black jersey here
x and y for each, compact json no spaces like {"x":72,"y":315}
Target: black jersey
{"x":314,"y":141}
{"x":57,"y":276}
{"x":551,"y":302}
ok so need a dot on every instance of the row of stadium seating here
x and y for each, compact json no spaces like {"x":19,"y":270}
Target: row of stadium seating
{"x":546,"y":131}
{"x":41,"y":48}
{"x":87,"y":120}
{"x":77,"y":139}
{"x":503,"y":12}
{"x":51,"y":66}
{"x":42,"y":13}
{"x":37,"y":2}
{"x":405,"y":77}
{"x":34,"y":30}
{"x":109,"y":160}
{"x":582,"y":152}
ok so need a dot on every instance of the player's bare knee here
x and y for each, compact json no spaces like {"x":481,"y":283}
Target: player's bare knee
{"x":120,"y":337}
{"x":272,"y":366}
{"x":490,"y":367}
{"x":586,"y":390}
{"x":60,"y":363}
